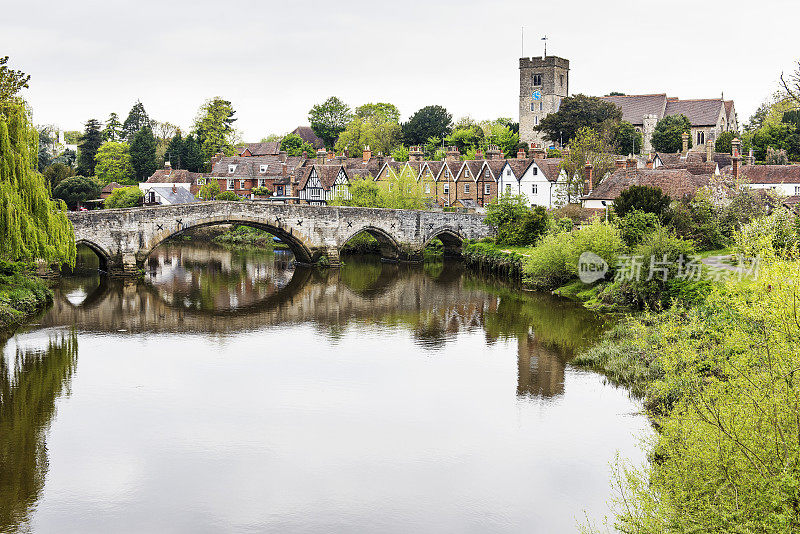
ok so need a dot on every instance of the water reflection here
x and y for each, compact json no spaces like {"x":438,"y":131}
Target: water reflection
{"x":31,"y":380}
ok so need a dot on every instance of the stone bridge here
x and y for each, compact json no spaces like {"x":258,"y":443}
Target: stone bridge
{"x":123,"y":238}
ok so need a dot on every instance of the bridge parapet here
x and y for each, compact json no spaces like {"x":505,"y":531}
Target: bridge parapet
{"x":123,"y":238}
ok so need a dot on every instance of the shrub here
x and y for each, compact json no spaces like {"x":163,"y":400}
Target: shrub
{"x":76,"y":189}
{"x":260,"y":191}
{"x":516,"y":224}
{"x":547,"y":264}
{"x":643,"y":198}
{"x":698,"y":220}
{"x":227,"y":195}
{"x":635,"y":225}
{"x":601,"y":238}
{"x":768,"y":237}
{"x":124,"y":197}
{"x":210,"y":190}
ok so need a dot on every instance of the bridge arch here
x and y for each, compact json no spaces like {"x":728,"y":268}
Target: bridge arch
{"x":300,"y":245}
{"x":451,"y":238}
{"x":102,"y":254}
{"x":390,"y":248}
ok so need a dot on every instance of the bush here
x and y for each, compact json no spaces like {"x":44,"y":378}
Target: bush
{"x":635,"y":225}
{"x":643,"y":198}
{"x":227,"y":195}
{"x":601,"y":238}
{"x":768,"y":237}
{"x":260,"y":191}
{"x":75,"y":190}
{"x":698,"y":220}
{"x":210,"y":190}
{"x":124,"y":197}
{"x":516,"y":224}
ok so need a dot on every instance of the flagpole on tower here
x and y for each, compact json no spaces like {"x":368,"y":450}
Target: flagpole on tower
{"x":522,"y":42}
{"x":545,"y":45}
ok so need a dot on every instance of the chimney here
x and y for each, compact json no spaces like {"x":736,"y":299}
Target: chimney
{"x":521,"y":153}
{"x":589,"y":178}
{"x":630,"y":163}
{"x":340,"y":159}
{"x":216,"y":158}
{"x":650,"y":162}
{"x":493,"y":152}
{"x":305,"y":154}
{"x":367,"y":154}
{"x":331,"y":155}
{"x":751,"y":159}
{"x":479,"y":154}
{"x":321,"y":153}
{"x":453,"y":154}
{"x":174,"y":188}
{"x":282,"y":155}
{"x":167,"y":165}
{"x":709,"y":151}
{"x":619,"y":164}
{"x":538,"y":153}
{"x":685,"y":143}
{"x":415,"y":153}
{"x":735,"y":157}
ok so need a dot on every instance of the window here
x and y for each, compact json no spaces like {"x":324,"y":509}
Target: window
{"x":280,"y":190}
{"x":487,"y":189}
{"x":466,"y":173}
{"x":508,"y":189}
{"x":541,"y":106}
{"x":263,"y":169}
{"x":262,"y":182}
{"x":701,"y":138}
{"x":446,"y":189}
{"x":533,"y":106}
{"x":537,"y":79}
{"x":230,"y":184}
{"x":508,"y":172}
{"x":231,"y":169}
{"x":466,"y":189}
{"x":535,"y":171}
{"x":797,"y":190}
{"x":534,"y":189}
{"x":316,"y":193}
{"x":427,"y":188}
{"x":447,"y":172}
{"x":536,"y":121}
{"x":561,"y":79}
{"x":486,"y":173}
{"x":241,"y":184}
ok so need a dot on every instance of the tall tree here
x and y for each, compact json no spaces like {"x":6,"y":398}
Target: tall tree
{"x":586,"y":147}
{"x":143,"y":154}
{"x":191,"y":156}
{"x":113,"y":131}
{"x":667,"y":137}
{"x":91,"y":140}
{"x":32,"y":226}
{"x":430,"y":121}
{"x":373,"y":125}
{"x":45,"y":146}
{"x":380,"y":112}
{"x":136,"y":120}
{"x":214,"y":127}
{"x":175,"y":152}
{"x":75,"y":190}
{"x":329,"y":119}
{"x":11,"y":81}
{"x":577,"y":112}
{"x":294,"y":145}
{"x":114,"y":163}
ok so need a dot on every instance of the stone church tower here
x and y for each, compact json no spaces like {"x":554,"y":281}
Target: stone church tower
{"x":543,"y":82}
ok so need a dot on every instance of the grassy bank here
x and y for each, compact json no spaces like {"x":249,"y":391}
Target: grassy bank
{"x":22,"y":294}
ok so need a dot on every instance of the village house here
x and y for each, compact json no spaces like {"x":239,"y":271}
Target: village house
{"x":319,"y":184}
{"x":242,"y":174}
{"x":269,"y":148}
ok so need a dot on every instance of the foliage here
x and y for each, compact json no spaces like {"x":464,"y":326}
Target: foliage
{"x":21,"y":294}
{"x":500,"y":133}
{"x":776,"y":157}
{"x":259,"y":191}
{"x":56,"y":172}
{"x":45,"y":142}
{"x":75,"y":190}
{"x":136,"y":120}
{"x":364,"y":192}
{"x":114,"y":163}
{"x":213,"y":127}
{"x":723,"y":142}
{"x":772,"y":136}
{"x":586,"y":147}
{"x":176,"y":150}
{"x":294,"y":145}
{"x":466,"y":137}
{"x":768,"y":237}
{"x":515,"y":223}
{"x":113,"y":129}
{"x":400,"y":153}
{"x":124,"y":197}
{"x":191,"y":156}
{"x":404,"y":192}
{"x":143,"y":154}
{"x":425,"y":123}
{"x":227,"y":195}
{"x":698,"y":220}
{"x":91,"y":140}
{"x":210,"y":190}
{"x":373,"y":125}
{"x":644,"y":198}
{"x":329,"y":119}
{"x":576,"y":112}
{"x":32,"y":226}
{"x":624,"y":138}
{"x":667,"y":136}
{"x":635,"y":225}
{"x":68,"y":158}
{"x":11,"y":81}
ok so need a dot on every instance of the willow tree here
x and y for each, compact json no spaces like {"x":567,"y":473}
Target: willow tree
{"x":32,"y":225}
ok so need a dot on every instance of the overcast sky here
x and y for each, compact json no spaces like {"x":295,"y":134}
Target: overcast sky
{"x":274,"y":60}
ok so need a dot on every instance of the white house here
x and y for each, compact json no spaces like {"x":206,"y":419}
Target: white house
{"x":541,"y":181}
{"x":783,"y":179}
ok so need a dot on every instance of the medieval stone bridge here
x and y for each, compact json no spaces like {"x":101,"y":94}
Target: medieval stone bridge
{"x":123,"y":238}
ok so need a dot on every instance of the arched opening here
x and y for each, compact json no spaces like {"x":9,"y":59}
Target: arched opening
{"x":89,"y":258}
{"x":451,"y":243}
{"x":371,"y":241}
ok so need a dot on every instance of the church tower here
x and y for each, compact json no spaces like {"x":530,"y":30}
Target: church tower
{"x":543,"y":82}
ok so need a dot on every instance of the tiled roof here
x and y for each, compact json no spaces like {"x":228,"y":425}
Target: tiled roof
{"x":519,"y":166}
{"x":174,"y":195}
{"x":701,"y":112}
{"x":677,"y":183}
{"x":173,"y":176}
{"x":270,"y":148}
{"x":771,"y":174}
{"x":495,"y":166}
{"x":249,"y":167}
{"x":308,"y":135}
{"x":326,"y":173}
{"x":551,"y":167}
{"x":111,"y":186}
{"x":693,"y":167}
{"x":634,"y":107}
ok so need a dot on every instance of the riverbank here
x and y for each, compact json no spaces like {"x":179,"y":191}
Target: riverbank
{"x":22,"y":294}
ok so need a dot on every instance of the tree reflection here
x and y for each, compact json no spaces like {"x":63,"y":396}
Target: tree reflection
{"x":30,"y":383}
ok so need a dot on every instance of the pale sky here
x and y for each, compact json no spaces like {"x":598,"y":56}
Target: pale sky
{"x":274,"y":60}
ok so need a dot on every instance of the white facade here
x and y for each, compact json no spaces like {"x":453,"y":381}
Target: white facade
{"x":785,"y":189}
{"x":533,"y":185}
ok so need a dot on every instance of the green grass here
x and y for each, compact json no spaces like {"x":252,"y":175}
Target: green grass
{"x":716,"y":252}
{"x":22,"y":293}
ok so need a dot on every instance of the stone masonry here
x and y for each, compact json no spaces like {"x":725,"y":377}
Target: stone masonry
{"x":123,"y":238}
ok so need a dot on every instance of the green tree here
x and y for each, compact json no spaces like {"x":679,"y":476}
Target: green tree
{"x":114,"y":163}
{"x":644,"y":198}
{"x":586,"y":147}
{"x":466,"y":137}
{"x":124,"y":197}
{"x":32,"y":226}
{"x":329,"y":119}
{"x":576,"y":112}
{"x":136,"y":120}
{"x":625,"y":138}
{"x":11,"y":81}
{"x":379,"y":112}
{"x":400,"y":153}
{"x":113,"y":130}
{"x":56,"y":172}
{"x":214,"y":128}
{"x":68,"y":158}
{"x":45,"y":144}
{"x":515,"y":223}
{"x":76,"y":190}
{"x":175,"y":152}
{"x":294,"y":145}
{"x":667,"y":137}
{"x":364,"y":192}
{"x":723,"y":142}
{"x":404,"y":192}
{"x":143,"y":154}
{"x":427,"y":122}
{"x":90,"y":141}
{"x":210,"y":190}
{"x":376,"y":130}
{"x":499,"y":132}
{"x":191,"y":156}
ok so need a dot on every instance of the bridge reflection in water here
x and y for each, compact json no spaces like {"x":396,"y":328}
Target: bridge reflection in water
{"x":202,"y":288}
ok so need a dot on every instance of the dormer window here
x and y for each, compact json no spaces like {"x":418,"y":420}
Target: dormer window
{"x":231,"y":169}
{"x":262,"y":169}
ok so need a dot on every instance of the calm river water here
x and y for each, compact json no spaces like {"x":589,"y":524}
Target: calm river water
{"x":232,"y":392}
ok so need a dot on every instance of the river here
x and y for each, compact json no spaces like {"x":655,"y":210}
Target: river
{"x":232,"y":392}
